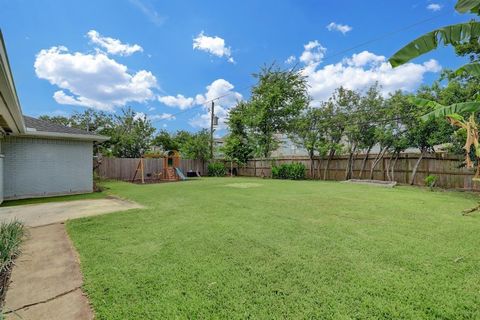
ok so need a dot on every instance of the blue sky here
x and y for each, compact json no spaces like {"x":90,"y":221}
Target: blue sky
{"x":66,"y":55}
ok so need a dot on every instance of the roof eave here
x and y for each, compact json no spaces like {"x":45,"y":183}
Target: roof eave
{"x":68,"y":136}
{"x":13,"y":112}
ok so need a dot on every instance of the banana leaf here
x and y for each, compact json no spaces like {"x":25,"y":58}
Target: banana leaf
{"x":464,"y":6}
{"x":472,"y":69}
{"x":449,"y":35}
{"x":456,"y":108}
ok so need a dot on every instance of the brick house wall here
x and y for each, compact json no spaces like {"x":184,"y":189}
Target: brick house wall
{"x":37,"y":167}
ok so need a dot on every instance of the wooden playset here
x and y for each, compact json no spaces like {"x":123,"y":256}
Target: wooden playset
{"x":170,"y":171}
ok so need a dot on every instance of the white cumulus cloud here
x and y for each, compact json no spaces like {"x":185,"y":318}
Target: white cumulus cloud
{"x":113,"y":46}
{"x":179,"y":101}
{"x":313,"y":53}
{"x":161,"y":116}
{"x":343,"y":28}
{"x":219,"y":90}
{"x":229,"y":98}
{"x":360,"y":71}
{"x":291,"y":59}
{"x":154,"y":117}
{"x":213,"y":45}
{"x":92,"y":80}
{"x":434,"y":7}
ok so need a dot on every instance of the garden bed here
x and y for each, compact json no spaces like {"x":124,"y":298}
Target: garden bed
{"x":11,"y":235}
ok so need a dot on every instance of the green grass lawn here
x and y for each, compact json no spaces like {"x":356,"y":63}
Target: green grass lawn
{"x":227,"y":248}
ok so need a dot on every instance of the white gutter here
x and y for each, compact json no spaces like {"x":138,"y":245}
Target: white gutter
{"x":70,"y":136}
{"x":8,"y":94}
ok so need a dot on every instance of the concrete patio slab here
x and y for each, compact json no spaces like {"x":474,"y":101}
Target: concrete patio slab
{"x":34,"y":215}
{"x":46,"y":280}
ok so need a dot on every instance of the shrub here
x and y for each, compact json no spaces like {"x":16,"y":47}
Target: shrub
{"x":216,"y":169}
{"x":275,"y":172}
{"x":11,"y":235}
{"x":431,"y":181}
{"x":292,"y":171}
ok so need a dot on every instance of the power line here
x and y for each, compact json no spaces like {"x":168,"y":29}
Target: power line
{"x":328,"y":57}
{"x":384,"y":36}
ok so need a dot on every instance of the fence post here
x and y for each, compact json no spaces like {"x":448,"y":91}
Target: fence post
{"x":407,"y":168}
{"x":383,"y":169}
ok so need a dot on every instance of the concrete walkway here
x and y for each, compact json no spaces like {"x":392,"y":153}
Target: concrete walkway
{"x":46,"y":280}
{"x":34,"y":215}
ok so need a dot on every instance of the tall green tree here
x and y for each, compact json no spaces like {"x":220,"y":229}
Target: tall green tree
{"x":131,"y":135}
{"x":165,"y":140}
{"x":309,"y":133}
{"x":335,"y":115}
{"x":355,"y":118}
{"x":197,"y":146}
{"x":276,"y":100}
{"x":61,"y":120}
{"x":401,"y":113}
{"x":370,"y":110}
{"x":238,"y":146}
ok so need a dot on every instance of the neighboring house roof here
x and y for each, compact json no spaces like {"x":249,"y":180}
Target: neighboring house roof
{"x":42,"y":128}
{"x":47,"y":126}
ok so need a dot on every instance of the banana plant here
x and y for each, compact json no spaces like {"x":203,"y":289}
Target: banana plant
{"x":453,"y":114}
{"x":450,"y":35}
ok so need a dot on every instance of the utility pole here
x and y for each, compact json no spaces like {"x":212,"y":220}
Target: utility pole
{"x":212,"y":116}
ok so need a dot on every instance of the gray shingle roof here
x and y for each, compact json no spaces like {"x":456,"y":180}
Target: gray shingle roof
{"x":46,"y":126}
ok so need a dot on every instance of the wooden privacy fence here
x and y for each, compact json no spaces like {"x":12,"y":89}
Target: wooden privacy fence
{"x":124,"y":168}
{"x":444,"y":166}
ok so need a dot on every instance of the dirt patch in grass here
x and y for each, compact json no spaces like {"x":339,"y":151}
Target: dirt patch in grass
{"x":243,"y":185}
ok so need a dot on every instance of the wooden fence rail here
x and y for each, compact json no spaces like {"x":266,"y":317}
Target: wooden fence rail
{"x":446,"y":167}
{"x":124,"y":168}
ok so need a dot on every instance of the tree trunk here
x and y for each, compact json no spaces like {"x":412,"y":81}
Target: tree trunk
{"x":318,"y":167}
{"x":330,"y":156}
{"x":312,"y":160}
{"x":364,"y":163}
{"x":231,"y":168}
{"x":392,"y":174}
{"x":355,"y":154}
{"x":348,"y":169}
{"x":415,"y":168}
{"x":312,"y":171}
{"x":377,"y":160}
{"x":389,"y":163}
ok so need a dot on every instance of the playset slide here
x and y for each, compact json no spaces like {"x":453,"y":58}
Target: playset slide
{"x":180,"y":174}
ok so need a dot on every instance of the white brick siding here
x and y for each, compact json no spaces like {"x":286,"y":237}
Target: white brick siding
{"x":35,"y":167}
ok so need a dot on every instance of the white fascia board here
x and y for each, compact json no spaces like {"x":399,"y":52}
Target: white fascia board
{"x":68,"y":136}
{"x":9,"y":105}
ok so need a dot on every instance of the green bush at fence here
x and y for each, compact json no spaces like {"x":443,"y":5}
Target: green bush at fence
{"x":216,"y":169}
{"x":291,"y":171}
{"x":431,"y":181}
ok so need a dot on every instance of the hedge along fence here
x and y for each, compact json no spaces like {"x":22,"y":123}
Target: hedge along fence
{"x":444,"y":166}
{"x":124,"y":168}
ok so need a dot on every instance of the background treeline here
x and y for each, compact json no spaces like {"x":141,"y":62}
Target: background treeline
{"x":350,"y":122}
{"x":132,"y":134}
